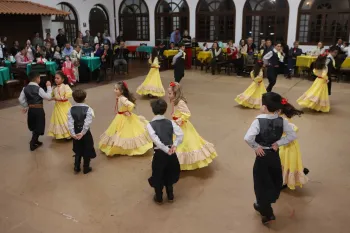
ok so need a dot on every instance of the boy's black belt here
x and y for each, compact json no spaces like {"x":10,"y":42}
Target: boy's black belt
{"x":36,"y":106}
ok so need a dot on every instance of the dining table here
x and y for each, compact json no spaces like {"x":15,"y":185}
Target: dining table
{"x":4,"y":75}
{"x":51,"y":67}
{"x":92,"y":63}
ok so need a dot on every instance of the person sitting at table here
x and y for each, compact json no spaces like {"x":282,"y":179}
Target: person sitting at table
{"x":262,"y":46}
{"x":38,"y":53}
{"x":97,"y":51}
{"x":172,"y":46}
{"x":57,"y":55}
{"x":75,"y":58}
{"x":15,"y":48}
{"x":250,"y":46}
{"x":119,"y":38}
{"x":87,"y":50}
{"x":175,"y":36}
{"x":21,"y":58}
{"x":216,"y":55}
{"x":68,"y":50}
{"x":49,"y":51}
{"x":319,"y":50}
{"x":121,"y":57}
{"x":106,"y":59}
{"x":88,"y":38}
{"x":79,"y":39}
{"x":30,"y":50}
{"x":292,"y":58}
{"x":233,"y":56}
{"x":204,"y":47}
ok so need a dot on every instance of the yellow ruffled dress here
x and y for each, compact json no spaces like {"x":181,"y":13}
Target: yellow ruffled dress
{"x":317,"y":97}
{"x":126,"y":135}
{"x":194,"y":152}
{"x":153,"y":84}
{"x":292,"y":165}
{"x":251,"y":97}
{"x":59,"y":120}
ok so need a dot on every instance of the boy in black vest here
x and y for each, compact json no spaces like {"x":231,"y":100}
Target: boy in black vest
{"x":272,"y":60}
{"x":165,"y":165}
{"x":179,"y":63}
{"x":31,"y":99}
{"x":79,"y":120}
{"x":331,"y":65}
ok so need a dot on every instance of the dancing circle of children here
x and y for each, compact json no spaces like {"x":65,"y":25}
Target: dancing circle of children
{"x":265,"y":137}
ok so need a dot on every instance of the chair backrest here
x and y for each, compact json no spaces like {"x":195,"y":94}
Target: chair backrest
{"x":40,"y":68}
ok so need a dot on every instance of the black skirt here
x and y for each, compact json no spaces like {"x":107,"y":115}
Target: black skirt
{"x":165,"y":169}
{"x":36,"y":120}
{"x":268,"y":180}
{"x":85,"y":146}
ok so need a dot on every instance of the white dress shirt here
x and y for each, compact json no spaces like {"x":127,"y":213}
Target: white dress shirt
{"x":159,"y":145}
{"x":45,"y":95}
{"x":267,"y":56}
{"x":254,"y":130}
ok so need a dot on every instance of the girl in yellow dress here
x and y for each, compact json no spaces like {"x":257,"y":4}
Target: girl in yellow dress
{"x":251,"y":97}
{"x":127,"y":134}
{"x":317,"y":97}
{"x":152,"y":86}
{"x":59,"y":120}
{"x":294,"y":174}
{"x":194,"y":152}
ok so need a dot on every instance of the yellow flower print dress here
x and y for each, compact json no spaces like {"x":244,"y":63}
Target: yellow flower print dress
{"x":251,"y":97}
{"x":317,"y":97}
{"x":59,"y":120}
{"x":153,"y":84}
{"x":292,"y":165}
{"x":194,"y":152}
{"x":126,"y":135}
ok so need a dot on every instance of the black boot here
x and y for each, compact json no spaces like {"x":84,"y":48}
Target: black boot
{"x":267,"y":220}
{"x":170,"y":193}
{"x":34,"y":142}
{"x":158,"y":197}
{"x":257,"y":207}
{"x":77,"y":161}
{"x":306,"y":171}
{"x":87,"y":167}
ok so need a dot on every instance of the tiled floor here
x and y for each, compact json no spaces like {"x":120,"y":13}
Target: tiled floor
{"x":40,"y":193}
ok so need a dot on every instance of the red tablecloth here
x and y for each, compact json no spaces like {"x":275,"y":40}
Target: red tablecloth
{"x":132,"y":48}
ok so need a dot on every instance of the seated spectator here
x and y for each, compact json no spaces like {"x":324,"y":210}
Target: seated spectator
{"x":121,"y":57}
{"x":48,"y":39}
{"x":106,"y":59}
{"x":98,"y":51}
{"x":204,"y":47}
{"x":318,"y":50}
{"x":87,"y":50}
{"x":292,"y":58}
{"x":216,"y":54}
{"x":75,"y":59}
{"x":68,"y":50}
{"x":38,"y":52}
{"x":37,"y":40}
{"x":57,"y":54}
{"x":15,"y":48}
{"x":98,"y":38}
{"x":161,"y":49}
{"x":106,"y":38}
{"x":22,"y":59}
{"x":250,"y":46}
{"x":88,"y":38}
{"x":262,"y":46}
{"x":119,"y":38}
{"x":49,"y":51}
{"x":30,"y":50}
{"x":2,"y":51}
{"x":233,"y":56}
{"x":172,"y":46}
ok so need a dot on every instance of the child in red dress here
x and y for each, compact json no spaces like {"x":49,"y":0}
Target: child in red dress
{"x":68,"y":70}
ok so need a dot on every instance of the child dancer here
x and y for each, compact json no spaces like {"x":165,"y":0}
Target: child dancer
{"x":333,"y":52}
{"x":265,"y":136}
{"x":59,"y":121}
{"x":251,"y":97}
{"x":165,"y":164}
{"x":294,"y":174}
{"x":194,"y":152}
{"x":179,"y":63}
{"x":152,"y":86}
{"x":127,"y":134}
{"x":68,"y":70}
{"x":79,"y":121}
{"x":31,"y":99}
{"x":272,"y":60}
{"x":316,"y":97}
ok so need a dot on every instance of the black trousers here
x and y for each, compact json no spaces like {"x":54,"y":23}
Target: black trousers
{"x":84,"y":148}
{"x":272,"y":73}
{"x":268,"y":180}
{"x":329,"y":84}
{"x":178,"y":74}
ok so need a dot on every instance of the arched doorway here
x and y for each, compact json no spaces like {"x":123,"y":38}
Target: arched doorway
{"x":323,"y":20}
{"x":264,"y":19}
{"x":98,"y":20}
{"x":134,"y":20}
{"x":215,"y":20}
{"x":169,"y":15}
{"x":70,"y":22}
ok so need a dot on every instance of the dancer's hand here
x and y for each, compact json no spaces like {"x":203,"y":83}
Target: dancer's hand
{"x":48,"y":84}
{"x":127,"y":114}
{"x":79,"y":136}
{"x":24,"y":110}
{"x":260,"y":151}
{"x":172,"y":150}
{"x":275,"y":146}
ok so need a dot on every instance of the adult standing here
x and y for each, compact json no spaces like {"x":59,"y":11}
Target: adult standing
{"x":61,"y":38}
{"x":98,"y":38}
{"x":88,"y":38}
{"x":37,"y":40}
{"x":216,"y":56}
{"x":179,"y":64}
{"x":48,"y":39}
{"x":15,"y":48}
{"x":75,"y":58}
{"x":175,"y":37}
{"x":30,"y":50}
{"x":79,"y":40}
{"x":233,"y":56}
{"x":106,"y":59}
{"x":292,"y":58}
{"x":186,"y":40}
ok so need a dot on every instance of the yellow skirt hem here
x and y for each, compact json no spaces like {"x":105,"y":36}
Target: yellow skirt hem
{"x":199,"y":164}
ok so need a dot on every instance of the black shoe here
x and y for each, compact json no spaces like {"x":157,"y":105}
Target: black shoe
{"x":39,"y":143}
{"x":170,"y":193}
{"x":77,"y":170}
{"x":267,"y":220}
{"x":284,"y":187}
{"x":33,"y":147}
{"x":157,"y":201}
{"x":87,"y":170}
{"x":306,"y":171}
{"x":256,"y":207}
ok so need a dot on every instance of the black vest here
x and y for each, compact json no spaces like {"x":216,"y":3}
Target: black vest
{"x":32,"y":94}
{"x":180,"y":62}
{"x":164,"y":130}
{"x":79,"y":114}
{"x":266,"y":50}
{"x":271,"y":131}
{"x":274,"y":61}
{"x":331,"y":68}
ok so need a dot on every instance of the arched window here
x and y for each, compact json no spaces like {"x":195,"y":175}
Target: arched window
{"x":215,"y":20}
{"x":323,"y":20}
{"x":70,"y":22}
{"x":264,"y":19}
{"x":169,"y":15}
{"x":134,"y":20}
{"x":98,"y":20}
